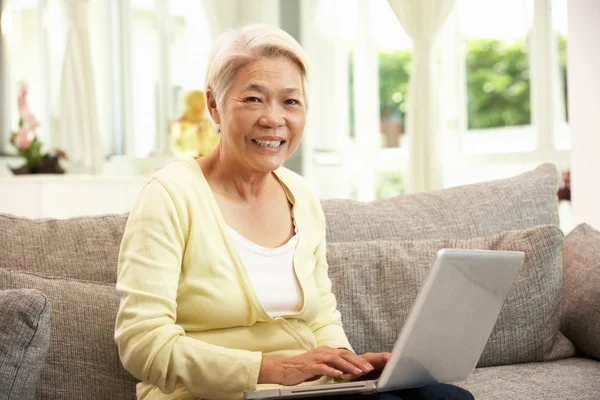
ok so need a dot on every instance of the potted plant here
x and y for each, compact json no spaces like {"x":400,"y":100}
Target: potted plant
{"x":28,"y":145}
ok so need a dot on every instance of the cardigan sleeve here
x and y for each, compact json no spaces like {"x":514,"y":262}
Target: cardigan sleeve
{"x":151,"y":345}
{"x":327,"y":327}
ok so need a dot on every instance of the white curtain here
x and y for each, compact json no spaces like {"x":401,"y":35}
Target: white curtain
{"x":422,"y":20}
{"x":77,"y":129}
{"x":225,"y":14}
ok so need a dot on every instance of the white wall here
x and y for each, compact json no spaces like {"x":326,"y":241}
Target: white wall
{"x":584,"y":109}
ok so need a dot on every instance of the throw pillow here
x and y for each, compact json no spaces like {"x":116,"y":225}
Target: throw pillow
{"x":376,"y":283}
{"x":24,"y":341}
{"x":581,"y":274}
{"x":464,"y":212}
{"x":82,"y":360}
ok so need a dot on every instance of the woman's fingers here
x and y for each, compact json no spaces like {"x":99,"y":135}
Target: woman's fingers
{"x":345,"y":365}
{"x":360,"y":362}
{"x":327,"y":361}
{"x":326,"y":370}
{"x":378,"y":360}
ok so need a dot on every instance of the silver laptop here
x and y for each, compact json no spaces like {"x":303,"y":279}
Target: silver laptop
{"x":447,"y":328}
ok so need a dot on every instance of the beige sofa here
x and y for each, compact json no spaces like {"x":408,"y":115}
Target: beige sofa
{"x":378,"y":253}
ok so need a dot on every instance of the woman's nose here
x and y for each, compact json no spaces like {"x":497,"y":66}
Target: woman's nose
{"x":272,"y":118}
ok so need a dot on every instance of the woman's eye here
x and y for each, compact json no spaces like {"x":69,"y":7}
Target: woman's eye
{"x":292,"y":102}
{"x":252,"y":100}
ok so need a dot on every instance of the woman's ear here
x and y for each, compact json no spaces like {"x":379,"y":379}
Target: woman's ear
{"x":211,"y":102}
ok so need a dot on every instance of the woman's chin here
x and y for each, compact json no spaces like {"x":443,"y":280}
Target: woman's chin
{"x":267,"y":164}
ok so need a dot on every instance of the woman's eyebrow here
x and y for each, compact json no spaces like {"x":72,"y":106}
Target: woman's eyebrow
{"x":262,"y":89}
{"x":293,"y":90}
{"x":255,"y":86}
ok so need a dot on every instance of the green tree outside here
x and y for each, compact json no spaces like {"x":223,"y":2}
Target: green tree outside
{"x":498,"y":84}
{"x":394,"y":73}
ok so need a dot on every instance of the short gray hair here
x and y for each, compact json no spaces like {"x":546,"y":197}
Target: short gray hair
{"x":237,"y":47}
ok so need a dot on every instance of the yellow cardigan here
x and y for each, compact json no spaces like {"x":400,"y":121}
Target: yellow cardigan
{"x":190,"y":324}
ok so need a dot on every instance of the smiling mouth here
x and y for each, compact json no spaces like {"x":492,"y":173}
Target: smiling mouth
{"x":269,"y":143}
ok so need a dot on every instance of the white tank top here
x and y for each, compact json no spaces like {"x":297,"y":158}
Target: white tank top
{"x":271,"y":272}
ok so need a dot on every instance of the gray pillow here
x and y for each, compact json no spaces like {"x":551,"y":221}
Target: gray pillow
{"x":464,"y":212}
{"x":24,"y":340}
{"x":581,"y":274}
{"x":83,"y":359}
{"x":376,"y":283}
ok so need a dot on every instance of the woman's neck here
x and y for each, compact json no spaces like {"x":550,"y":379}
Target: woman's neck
{"x":231,"y":179}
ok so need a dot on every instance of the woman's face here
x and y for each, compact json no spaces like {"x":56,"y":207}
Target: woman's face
{"x":263,"y":114}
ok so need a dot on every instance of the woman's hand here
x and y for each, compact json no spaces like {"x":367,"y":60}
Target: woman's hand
{"x":322,"y":361}
{"x":377,"y":360}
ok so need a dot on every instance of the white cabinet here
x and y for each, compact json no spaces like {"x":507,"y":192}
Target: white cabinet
{"x":64,"y":196}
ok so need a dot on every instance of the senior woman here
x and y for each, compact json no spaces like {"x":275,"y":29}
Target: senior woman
{"x":222,"y":269}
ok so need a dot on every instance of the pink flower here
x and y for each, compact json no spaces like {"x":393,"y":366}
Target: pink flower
{"x":24,"y":112}
{"x":23,"y":140}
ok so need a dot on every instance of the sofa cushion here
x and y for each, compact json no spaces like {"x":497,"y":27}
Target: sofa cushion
{"x":82,"y":359}
{"x":581,"y":276}
{"x":573,"y":378}
{"x":376,"y":283}
{"x":24,"y":341}
{"x":81,"y":248}
{"x":462,"y":212}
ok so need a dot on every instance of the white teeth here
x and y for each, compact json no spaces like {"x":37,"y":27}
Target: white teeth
{"x":268,"y":143}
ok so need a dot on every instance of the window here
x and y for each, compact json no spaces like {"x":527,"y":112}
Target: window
{"x":496,"y":90}
{"x":507,"y":94}
{"x":36,"y":60}
{"x":145,"y":55}
{"x":169,"y":48}
{"x":497,"y":75}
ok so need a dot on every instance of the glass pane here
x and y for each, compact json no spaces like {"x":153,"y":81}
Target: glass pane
{"x":394,"y":56}
{"x":497,"y":75}
{"x":497,"y":65}
{"x":144,"y":46}
{"x":562,"y":140}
